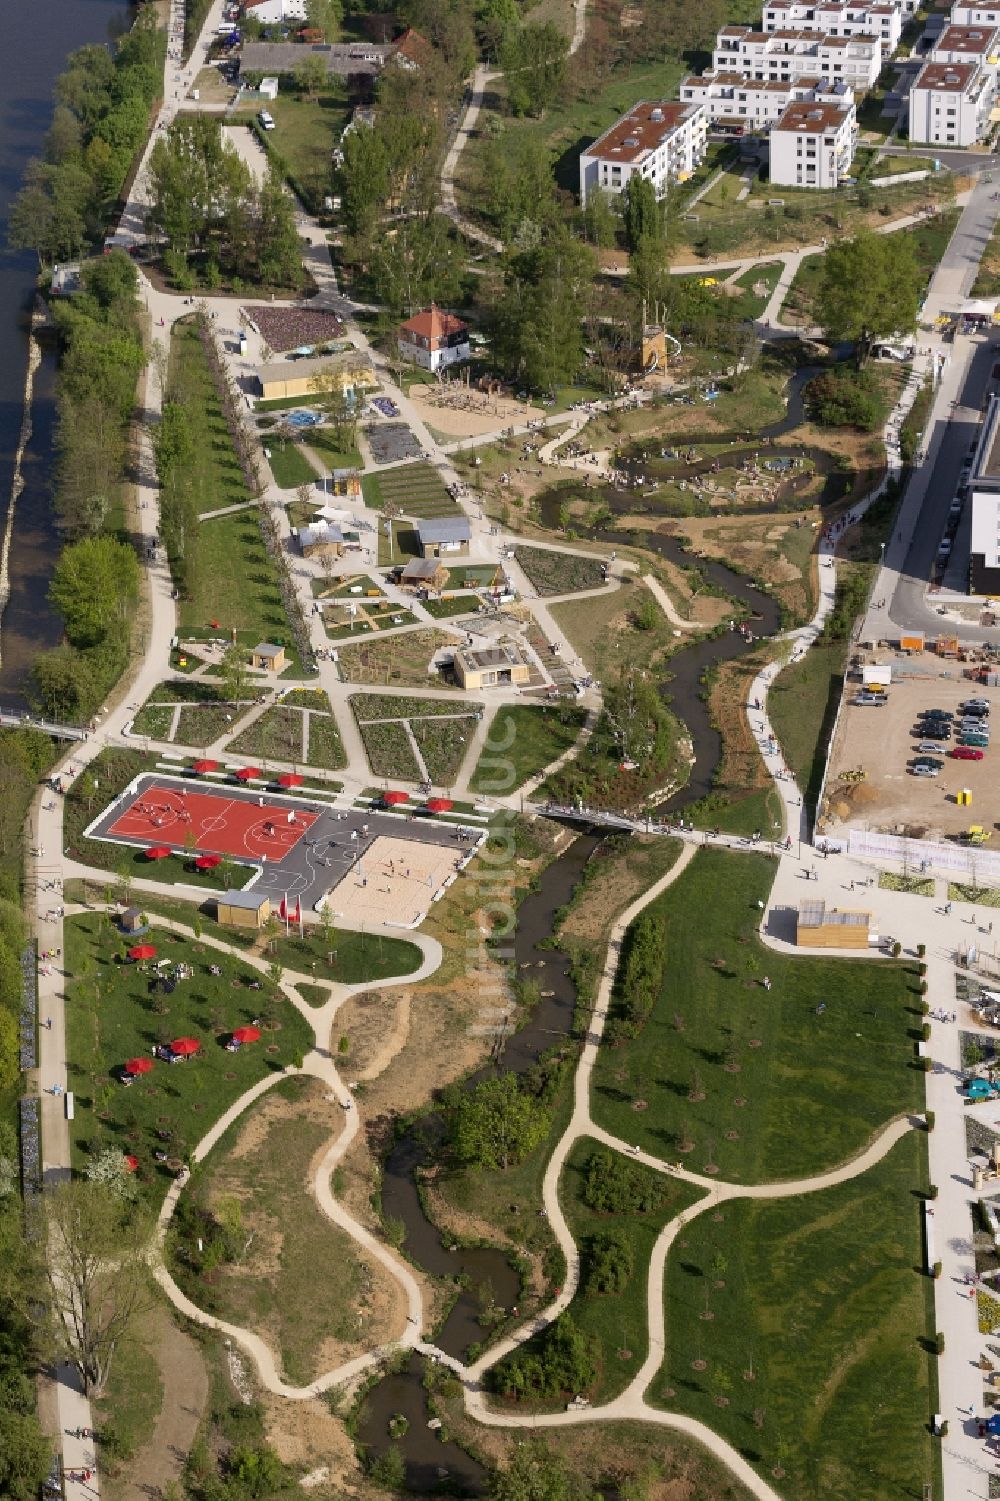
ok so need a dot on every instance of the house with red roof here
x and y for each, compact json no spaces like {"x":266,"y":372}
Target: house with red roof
{"x":434,"y":339}
{"x":412,"y":50}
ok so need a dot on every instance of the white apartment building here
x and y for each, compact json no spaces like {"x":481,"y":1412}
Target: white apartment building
{"x":812,"y":145}
{"x":975,"y":15}
{"x":789,"y":55}
{"x":274,"y":12}
{"x":662,"y":142}
{"x":950,"y":103}
{"x":736,"y":105}
{"x":836,"y":19}
{"x":968,"y":44}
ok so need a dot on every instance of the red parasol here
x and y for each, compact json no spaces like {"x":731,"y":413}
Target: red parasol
{"x":439,"y":805}
{"x":131,"y":1162}
{"x":143,"y":951}
{"x":214,"y":624}
{"x":158,"y":852}
{"x":392,"y":799}
{"x":202,"y":766}
{"x":138,"y":1065}
{"x":247,"y":773}
{"x":207,"y":862}
{"x":185,"y":1046}
{"x":290,"y":779}
{"x":247,"y":1034}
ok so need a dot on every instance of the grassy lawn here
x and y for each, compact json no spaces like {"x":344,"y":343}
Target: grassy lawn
{"x":618,"y":1319}
{"x":357,"y":958}
{"x":289,"y":464}
{"x":115,"y":1016}
{"x":928,"y":240}
{"x":306,"y":132}
{"x":109,"y":774}
{"x":451,"y":604}
{"x":401,"y":661}
{"x":559,"y":572}
{"x":528,"y":738}
{"x":278,"y":733}
{"x":783,"y":1091}
{"x":820,"y":1298}
{"x":801,"y":705}
{"x":214,"y":478}
{"x":402,"y":546}
{"x":133,"y":1397}
{"x":755,"y":812}
{"x":263,"y":1167}
{"x":333,"y":456}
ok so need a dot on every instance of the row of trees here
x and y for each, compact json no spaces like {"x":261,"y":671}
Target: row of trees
{"x":206,"y":203}
{"x":640,"y":976}
{"x":101,"y":118}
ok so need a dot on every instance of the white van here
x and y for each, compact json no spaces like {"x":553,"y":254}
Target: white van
{"x":266,"y":119}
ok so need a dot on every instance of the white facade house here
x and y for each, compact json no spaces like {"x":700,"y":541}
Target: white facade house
{"x":736,"y":104}
{"x":812,"y":145}
{"x":969,"y":44}
{"x":975,"y":15}
{"x":836,"y":19}
{"x":662,"y":142}
{"x":274,"y":12}
{"x":788,"y":55}
{"x":950,"y":103}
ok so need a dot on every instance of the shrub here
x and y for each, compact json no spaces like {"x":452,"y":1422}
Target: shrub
{"x":929,"y":1119}
{"x":612,"y":1185}
{"x":564,"y":1360}
{"x":609,"y":1263}
{"x":847,"y":398}
{"x":939,"y":1342}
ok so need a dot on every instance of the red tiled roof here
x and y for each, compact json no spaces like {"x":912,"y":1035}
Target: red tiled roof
{"x":415,"y":48}
{"x":432,"y":323}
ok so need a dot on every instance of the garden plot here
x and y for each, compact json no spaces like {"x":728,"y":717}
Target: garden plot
{"x":415,"y":490}
{"x":414,"y":739}
{"x":301,"y":729}
{"x":186,"y":713}
{"x":559,"y":572}
{"x":404,"y":659}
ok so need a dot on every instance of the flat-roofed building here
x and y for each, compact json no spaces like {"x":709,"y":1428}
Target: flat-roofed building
{"x":793,"y":54}
{"x":350,"y":373}
{"x":500,"y":666}
{"x":662,"y":142}
{"x":836,"y":19}
{"x":821,"y":927}
{"x":984,"y":488}
{"x":735,"y":104}
{"x":950,"y":103}
{"x":441,"y":535}
{"x":812,"y":145}
{"x":243,"y":909}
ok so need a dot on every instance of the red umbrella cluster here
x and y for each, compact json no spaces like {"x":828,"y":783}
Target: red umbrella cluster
{"x":138,"y":1065}
{"x":143,"y":951}
{"x":185,"y":1046}
{"x":393,"y":799}
{"x":207,"y":862}
{"x":206,"y":764}
{"x":290,"y":779}
{"x":247,"y":773}
{"x":439,"y":805}
{"x":158,"y":852}
{"x":247,"y":1034}
{"x":131,"y":1162}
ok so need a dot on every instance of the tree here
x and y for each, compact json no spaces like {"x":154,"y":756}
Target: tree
{"x":610,"y":1262}
{"x":535,"y":1473}
{"x":534,"y":59}
{"x":538,"y":320}
{"x":636,"y":719}
{"x":9,"y":1050}
{"x":110,"y":1169}
{"x":97,"y":1276}
{"x":497,"y":1123}
{"x":641,"y":213}
{"x":234,"y":670}
{"x":325,"y":16}
{"x":871,"y":288}
{"x":311,"y":75}
{"x":417,"y":262}
{"x":93,"y":584}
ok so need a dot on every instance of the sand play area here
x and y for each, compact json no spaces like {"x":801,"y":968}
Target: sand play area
{"x":464,"y":413}
{"x":394,"y":882}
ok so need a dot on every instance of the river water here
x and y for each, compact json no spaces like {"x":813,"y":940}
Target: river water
{"x":39,"y":35}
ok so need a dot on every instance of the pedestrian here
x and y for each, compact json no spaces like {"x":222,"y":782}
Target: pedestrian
{"x":48,"y":1023}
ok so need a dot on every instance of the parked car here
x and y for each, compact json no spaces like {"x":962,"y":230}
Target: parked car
{"x":943,"y":714}
{"x":944,"y":547}
{"x":976,"y":708}
{"x":934,"y":731}
{"x":870,"y":698}
{"x":983,"y":741}
{"x":929,"y":745}
{"x":266,"y":119}
{"x":925,"y":769}
{"x":966,"y":753}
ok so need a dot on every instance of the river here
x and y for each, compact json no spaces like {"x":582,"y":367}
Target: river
{"x":40,"y":34}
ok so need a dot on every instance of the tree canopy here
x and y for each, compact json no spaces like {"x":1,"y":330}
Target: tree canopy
{"x":497,"y":1123}
{"x":871,"y":287}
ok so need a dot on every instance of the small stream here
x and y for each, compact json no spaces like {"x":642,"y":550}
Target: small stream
{"x":483,"y":1274}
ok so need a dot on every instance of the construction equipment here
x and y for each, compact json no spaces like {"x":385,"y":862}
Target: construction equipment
{"x":975,"y":834}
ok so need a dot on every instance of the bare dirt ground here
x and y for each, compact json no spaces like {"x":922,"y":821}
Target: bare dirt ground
{"x":880,"y":742}
{"x":376,"y":1025}
{"x":160,"y":1461}
{"x":309,"y":1434}
{"x":482,"y":415}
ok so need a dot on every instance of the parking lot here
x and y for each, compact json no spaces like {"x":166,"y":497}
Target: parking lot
{"x":870,"y":784}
